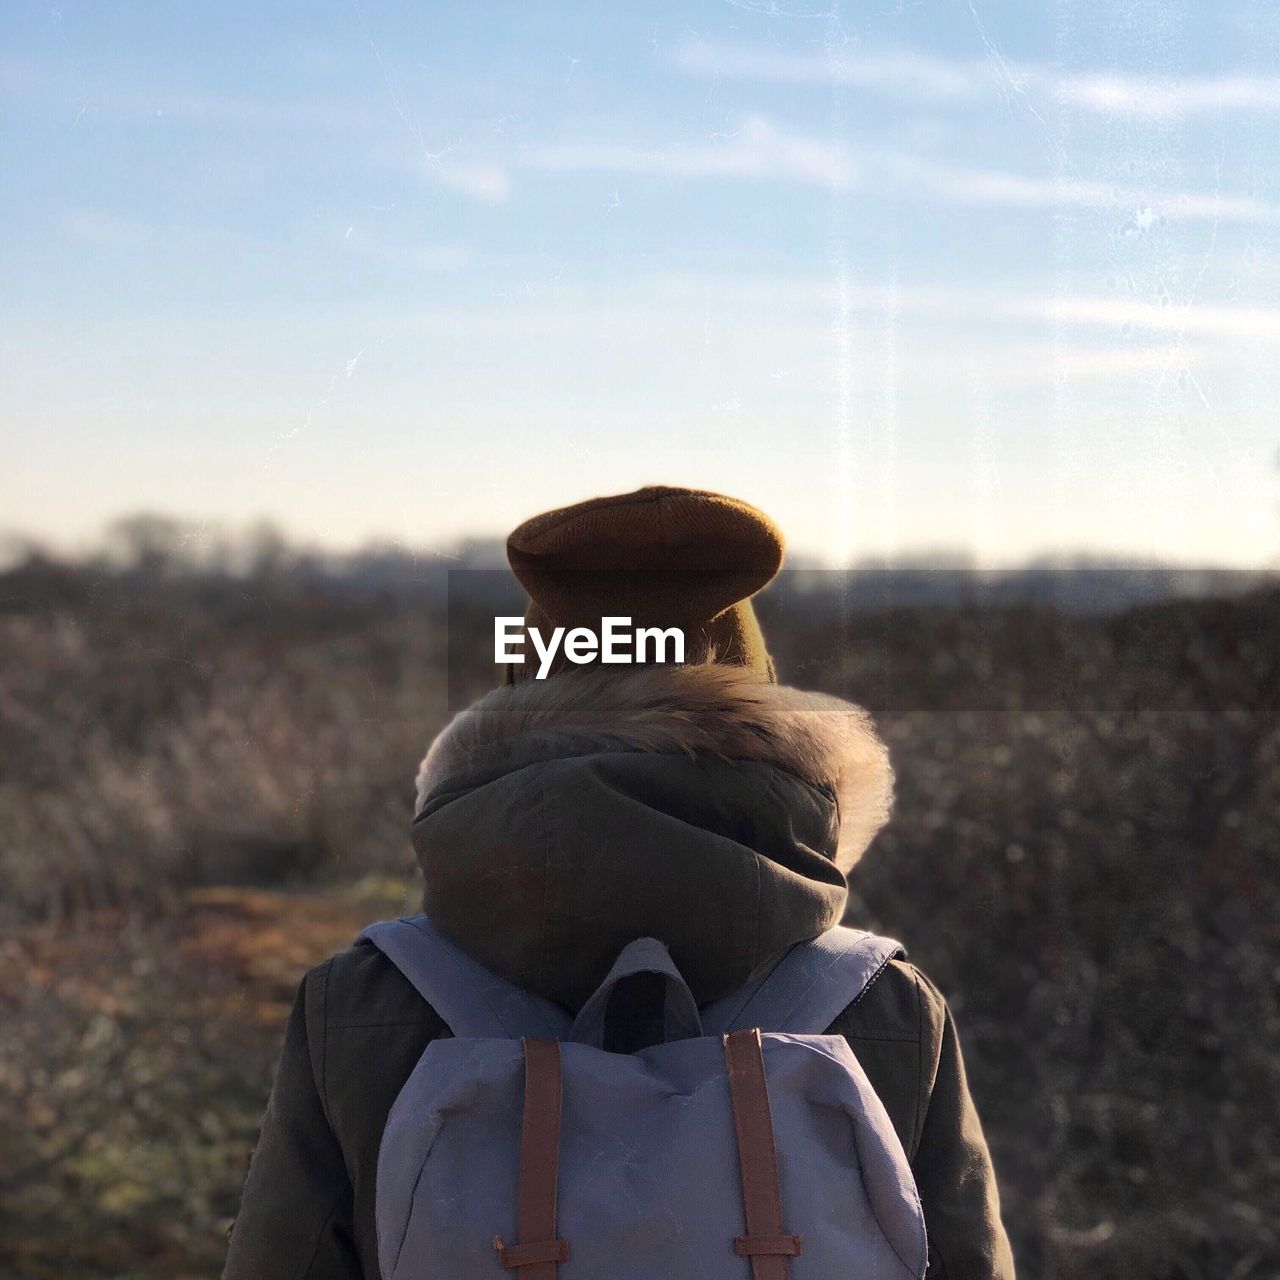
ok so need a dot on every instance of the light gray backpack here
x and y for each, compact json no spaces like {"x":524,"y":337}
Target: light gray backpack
{"x":746,"y":1145}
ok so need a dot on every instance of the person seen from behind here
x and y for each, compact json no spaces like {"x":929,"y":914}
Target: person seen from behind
{"x":628,"y":1036}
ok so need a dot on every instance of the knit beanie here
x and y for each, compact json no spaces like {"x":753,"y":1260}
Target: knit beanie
{"x":662,"y":556}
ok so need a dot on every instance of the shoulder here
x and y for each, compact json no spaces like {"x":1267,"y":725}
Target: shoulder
{"x":901,"y":1003}
{"x":366,"y":1028}
{"x":360,"y":988}
{"x":895,"y":1029}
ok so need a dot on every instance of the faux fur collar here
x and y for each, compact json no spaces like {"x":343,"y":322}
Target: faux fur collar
{"x":709,"y":709}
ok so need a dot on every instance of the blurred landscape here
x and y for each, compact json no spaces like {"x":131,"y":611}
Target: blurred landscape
{"x":207,"y":748}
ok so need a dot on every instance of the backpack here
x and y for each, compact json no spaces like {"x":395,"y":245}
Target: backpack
{"x":745,"y":1145}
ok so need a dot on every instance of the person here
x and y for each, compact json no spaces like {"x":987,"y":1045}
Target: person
{"x":702,"y":803}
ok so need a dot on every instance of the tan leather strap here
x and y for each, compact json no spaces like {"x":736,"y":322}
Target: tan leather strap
{"x":765,"y":1243}
{"x":538,"y":1251}
{"x":752,"y":1246}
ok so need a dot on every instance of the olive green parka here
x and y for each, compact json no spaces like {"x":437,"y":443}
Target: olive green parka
{"x":556,"y":821}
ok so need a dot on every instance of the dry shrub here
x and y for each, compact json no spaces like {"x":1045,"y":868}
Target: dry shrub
{"x":1085,"y":854}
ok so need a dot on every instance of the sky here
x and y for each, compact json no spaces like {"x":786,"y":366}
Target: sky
{"x":971,"y":275}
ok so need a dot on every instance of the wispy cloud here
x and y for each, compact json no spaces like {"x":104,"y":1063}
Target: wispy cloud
{"x":97,"y":230}
{"x":762,"y":149}
{"x":103,"y":233}
{"x":488,"y":183}
{"x":914,"y":74}
{"x":1086,"y":313}
{"x":160,"y":100}
{"x":428,"y":257}
{"x":905,"y":72}
{"x":759,"y":149}
{"x":1252,"y":323}
{"x":1165,"y":98}
{"x":1016,"y":336}
{"x":1036,"y":365}
{"x":1142,"y":206}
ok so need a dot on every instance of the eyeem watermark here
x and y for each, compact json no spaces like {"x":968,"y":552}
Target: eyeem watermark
{"x":617,"y":642}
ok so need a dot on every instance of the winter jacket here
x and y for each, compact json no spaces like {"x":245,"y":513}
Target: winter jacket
{"x":558,"y":820}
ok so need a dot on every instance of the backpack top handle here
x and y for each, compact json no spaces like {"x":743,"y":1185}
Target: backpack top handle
{"x":680,"y":1018}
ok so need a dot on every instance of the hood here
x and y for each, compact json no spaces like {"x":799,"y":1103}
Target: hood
{"x":557,"y":820}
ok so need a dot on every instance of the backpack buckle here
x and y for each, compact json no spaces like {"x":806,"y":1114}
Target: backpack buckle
{"x":529,"y":1255}
{"x":767,"y":1246}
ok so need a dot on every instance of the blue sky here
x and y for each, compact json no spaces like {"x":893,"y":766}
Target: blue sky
{"x":991,"y":276}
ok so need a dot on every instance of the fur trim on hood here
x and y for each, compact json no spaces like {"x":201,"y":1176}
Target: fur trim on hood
{"x":704,"y":709}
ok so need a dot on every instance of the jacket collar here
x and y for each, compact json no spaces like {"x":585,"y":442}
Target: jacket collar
{"x":710,"y":710}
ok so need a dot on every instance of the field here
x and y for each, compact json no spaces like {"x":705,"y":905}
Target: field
{"x":205,"y":785}
{"x":136,"y":1056}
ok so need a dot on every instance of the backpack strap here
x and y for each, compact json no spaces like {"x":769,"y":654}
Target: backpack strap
{"x":809,"y":988}
{"x":767,"y":1243}
{"x":472,"y":1001}
{"x":539,"y":1249}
